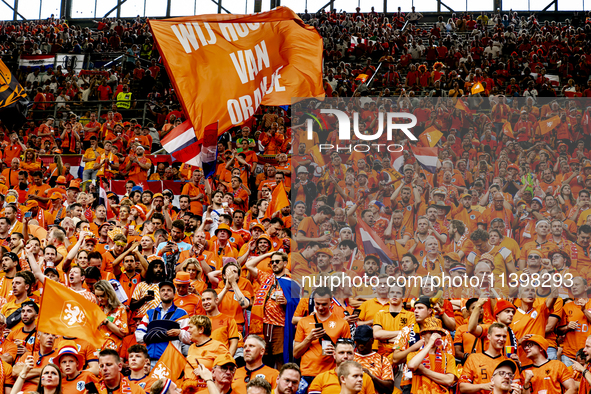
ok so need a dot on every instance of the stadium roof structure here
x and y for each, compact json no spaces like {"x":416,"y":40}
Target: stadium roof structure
{"x":97,"y":9}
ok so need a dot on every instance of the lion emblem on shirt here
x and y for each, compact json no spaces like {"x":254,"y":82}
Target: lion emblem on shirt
{"x":160,"y":372}
{"x":73,"y":314}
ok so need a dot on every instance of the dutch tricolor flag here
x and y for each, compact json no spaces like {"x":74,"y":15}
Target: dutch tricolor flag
{"x":427,"y":157}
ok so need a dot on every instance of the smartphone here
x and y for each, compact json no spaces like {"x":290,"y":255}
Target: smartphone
{"x":319,"y":325}
{"x":28,"y":214}
{"x":151,"y":293}
{"x":91,"y":388}
{"x":356,"y":311}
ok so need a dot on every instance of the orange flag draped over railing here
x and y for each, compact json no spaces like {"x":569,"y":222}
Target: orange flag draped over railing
{"x":65,"y":312}
{"x":170,"y":365}
{"x":223,"y":67}
{"x":278,"y":201}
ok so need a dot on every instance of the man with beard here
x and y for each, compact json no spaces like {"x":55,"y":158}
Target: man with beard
{"x":10,"y":213}
{"x":500,"y":209}
{"x":416,"y":245}
{"x":465,"y":214}
{"x":479,"y":367}
{"x":37,"y":188}
{"x":23,"y":338}
{"x":146,"y":295}
{"x":269,"y":304}
{"x":541,"y":242}
{"x":542,"y":375}
{"x":223,"y":327}
{"x":460,"y":242}
{"x":166,"y":324}
{"x":138,"y":166}
{"x":10,"y":266}
{"x":437,"y":227}
{"x":396,"y":231}
{"x":409,"y":203}
{"x":323,"y":258}
{"x":503,"y":378}
{"x":254,"y":349}
{"x":502,"y":258}
{"x":184,"y":205}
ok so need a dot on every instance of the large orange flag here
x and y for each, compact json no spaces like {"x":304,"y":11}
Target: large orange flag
{"x":507,"y":130}
{"x":430,"y":137}
{"x":548,"y":125}
{"x":460,"y":104}
{"x":65,"y":312}
{"x":170,"y":365}
{"x":224,"y":66}
{"x":279,"y":200}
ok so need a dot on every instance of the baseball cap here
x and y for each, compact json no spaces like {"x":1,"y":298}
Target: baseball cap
{"x":507,"y":363}
{"x":363,"y":333}
{"x":223,"y":360}
{"x":166,"y":283}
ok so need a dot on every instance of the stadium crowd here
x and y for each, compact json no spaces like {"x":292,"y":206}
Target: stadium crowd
{"x":212,"y":271}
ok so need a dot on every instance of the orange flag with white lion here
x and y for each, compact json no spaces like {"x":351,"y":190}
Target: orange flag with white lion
{"x":65,"y":312}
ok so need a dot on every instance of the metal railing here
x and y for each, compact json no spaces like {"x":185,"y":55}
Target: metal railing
{"x":56,"y":108}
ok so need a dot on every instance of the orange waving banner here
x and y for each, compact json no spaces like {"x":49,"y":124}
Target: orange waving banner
{"x":224,"y":67}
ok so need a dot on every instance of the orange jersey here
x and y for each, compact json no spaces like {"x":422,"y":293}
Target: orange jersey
{"x":224,"y":328}
{"x":377,"y":364}
{"x":574,"y":339}
{"x":548,"y":377}
{"x":265,"y":372}
{"x":313,"y":362}
{"x":76,"y":385}
{"x":191,"y":303}
{"x":328,"y":383}
{"x":478,"y":369}
{"x":421,"y":384}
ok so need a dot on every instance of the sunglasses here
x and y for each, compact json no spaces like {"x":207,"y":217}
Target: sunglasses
{"x":534,"y":256}
{"x":346,"y":340}
{"x":276,"y":261}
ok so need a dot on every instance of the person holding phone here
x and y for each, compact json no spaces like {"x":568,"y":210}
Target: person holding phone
{"x":32,"y":365}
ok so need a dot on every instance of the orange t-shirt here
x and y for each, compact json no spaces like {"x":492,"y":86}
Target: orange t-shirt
{"x":548,"y":377}
{"x":224,"y":328}
{"x":76,"y":385}
{"x":191,"y":303}
{"x":267,"y":373}
{"x":574,"y":339}
{"x":313,"y":362}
